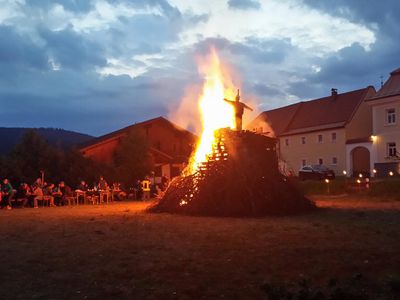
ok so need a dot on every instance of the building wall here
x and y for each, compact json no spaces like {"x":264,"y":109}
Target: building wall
{"x":385,"y":133}
{"x":167,"y":139}
{"x":313,"y":150}
{"x":102,"y":152}
{"x":360,"y":126}
{"x":160,"y":135}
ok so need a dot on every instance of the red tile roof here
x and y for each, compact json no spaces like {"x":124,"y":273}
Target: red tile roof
{"x":329,"y":112}
{"x":391,"y":86}
{"x":119,"y":132}
{"x":278,"y":118}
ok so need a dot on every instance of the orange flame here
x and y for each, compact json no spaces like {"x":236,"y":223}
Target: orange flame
{"x":214,"y":111}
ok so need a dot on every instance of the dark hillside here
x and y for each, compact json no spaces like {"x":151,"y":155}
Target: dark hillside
{"x":65,"y":139}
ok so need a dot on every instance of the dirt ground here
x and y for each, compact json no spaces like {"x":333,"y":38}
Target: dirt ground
{"x":118,"y":251}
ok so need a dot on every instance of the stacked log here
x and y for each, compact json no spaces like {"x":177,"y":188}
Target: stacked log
{"x":240,"y":178}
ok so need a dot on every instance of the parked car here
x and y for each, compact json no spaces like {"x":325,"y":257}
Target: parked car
{"x":317,"y":172}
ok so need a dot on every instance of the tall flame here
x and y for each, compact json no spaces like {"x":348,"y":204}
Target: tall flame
{"x":215,"y":113}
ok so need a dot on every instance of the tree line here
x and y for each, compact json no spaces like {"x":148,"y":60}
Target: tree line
{"x":132,"y":161}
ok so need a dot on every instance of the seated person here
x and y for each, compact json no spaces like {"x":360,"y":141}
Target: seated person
{"x":48,"y":193}
{"x":7,"y":192}
{"x":81,"y":190}
{"x":39,"y":195}
{"x":82,"y":186}
{"x":23,"y":194}
{"x":66,"y":193}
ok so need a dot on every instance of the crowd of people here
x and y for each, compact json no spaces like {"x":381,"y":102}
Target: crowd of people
{"x":50,"y":194}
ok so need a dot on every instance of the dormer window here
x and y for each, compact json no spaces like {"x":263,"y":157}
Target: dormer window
{"x":391,"y":116}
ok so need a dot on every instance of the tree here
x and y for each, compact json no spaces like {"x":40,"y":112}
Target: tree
{"x":132,"y":159}
{"x":31,"y":155}
{"x":34,"y":154}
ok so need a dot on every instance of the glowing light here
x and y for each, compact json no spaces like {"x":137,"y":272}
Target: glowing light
{"x":358,"y":181}
{"x":374,"y":138}
{"x":360,"y":175}
{"x":327,"y":180}
{"x":391,"y":173}
{"x":374,"y":171}
{"x":344,"y":172}
{"x":215,"y":112}
{"x":183,"y":202}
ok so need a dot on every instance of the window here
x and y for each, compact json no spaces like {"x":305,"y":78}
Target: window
{"x":303,"y":162}
{"x":320,"y":138}
{"x":391,"y":116}
{"x":391,"y":149}
{"x":287,"y":142}
{"x":334,"y":160}
{"x":320,"y":161}
{"x":303,"y":140}
{"x":333,"y":137}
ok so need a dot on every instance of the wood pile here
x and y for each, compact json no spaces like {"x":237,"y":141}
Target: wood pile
{"x":240,"y":178}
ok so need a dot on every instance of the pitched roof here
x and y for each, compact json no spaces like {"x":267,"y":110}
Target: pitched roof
{"x":279,"y":118}
{"x":329,"y":112}
{"x":391,"y":86}
{"x":122,"y":131}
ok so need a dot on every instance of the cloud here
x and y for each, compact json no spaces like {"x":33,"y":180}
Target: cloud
{"x":244,"y":4}
{"x":17,"y":49}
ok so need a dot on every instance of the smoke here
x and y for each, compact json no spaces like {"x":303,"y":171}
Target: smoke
{"x":187,"y":114}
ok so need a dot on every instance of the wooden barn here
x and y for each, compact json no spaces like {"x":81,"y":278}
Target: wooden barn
{"x":170,"y":145}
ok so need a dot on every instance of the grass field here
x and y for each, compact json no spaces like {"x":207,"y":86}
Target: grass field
{"x":120,"y":252}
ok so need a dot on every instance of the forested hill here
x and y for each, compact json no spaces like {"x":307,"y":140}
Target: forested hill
{"x":65,"y":139}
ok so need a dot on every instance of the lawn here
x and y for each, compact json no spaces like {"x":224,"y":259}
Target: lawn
{"x":118,"y":251}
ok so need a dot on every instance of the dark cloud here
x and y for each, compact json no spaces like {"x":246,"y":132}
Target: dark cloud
{"x":18,"y":50}
{"x":353,"y":66}
{"x":265,"y":90}
{"x":259,"y":51}
{"x":244,"y":4}
{"x":72,"y":50}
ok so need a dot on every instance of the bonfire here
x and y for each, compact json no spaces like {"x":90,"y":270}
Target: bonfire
{"x":232,"y":172}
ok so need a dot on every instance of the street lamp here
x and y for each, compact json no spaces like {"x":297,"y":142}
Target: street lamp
{"x":327,"y":184}
{"x":359,"y":184}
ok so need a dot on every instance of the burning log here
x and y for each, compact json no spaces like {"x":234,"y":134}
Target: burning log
{"x":240,"y":178}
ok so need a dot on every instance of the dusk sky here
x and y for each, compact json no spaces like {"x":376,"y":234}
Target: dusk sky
{"x":96,"y":66}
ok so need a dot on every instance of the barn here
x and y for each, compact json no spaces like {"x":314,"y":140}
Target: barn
{"x":170,"y":145}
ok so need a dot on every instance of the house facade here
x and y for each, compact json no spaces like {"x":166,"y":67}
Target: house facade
{"x":170,"y":145}
{"x":325,"y":131}
{"x":386,"y":126}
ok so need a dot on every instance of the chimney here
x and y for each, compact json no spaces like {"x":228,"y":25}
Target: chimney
{"x":334,"y":93}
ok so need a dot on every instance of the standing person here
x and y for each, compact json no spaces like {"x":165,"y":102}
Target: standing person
{"x":137,"y":187}
{"x":146,"y":189}
{"x":7,"y":192}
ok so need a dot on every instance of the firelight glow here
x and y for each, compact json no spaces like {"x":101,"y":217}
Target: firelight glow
{"x":215,"y":113}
